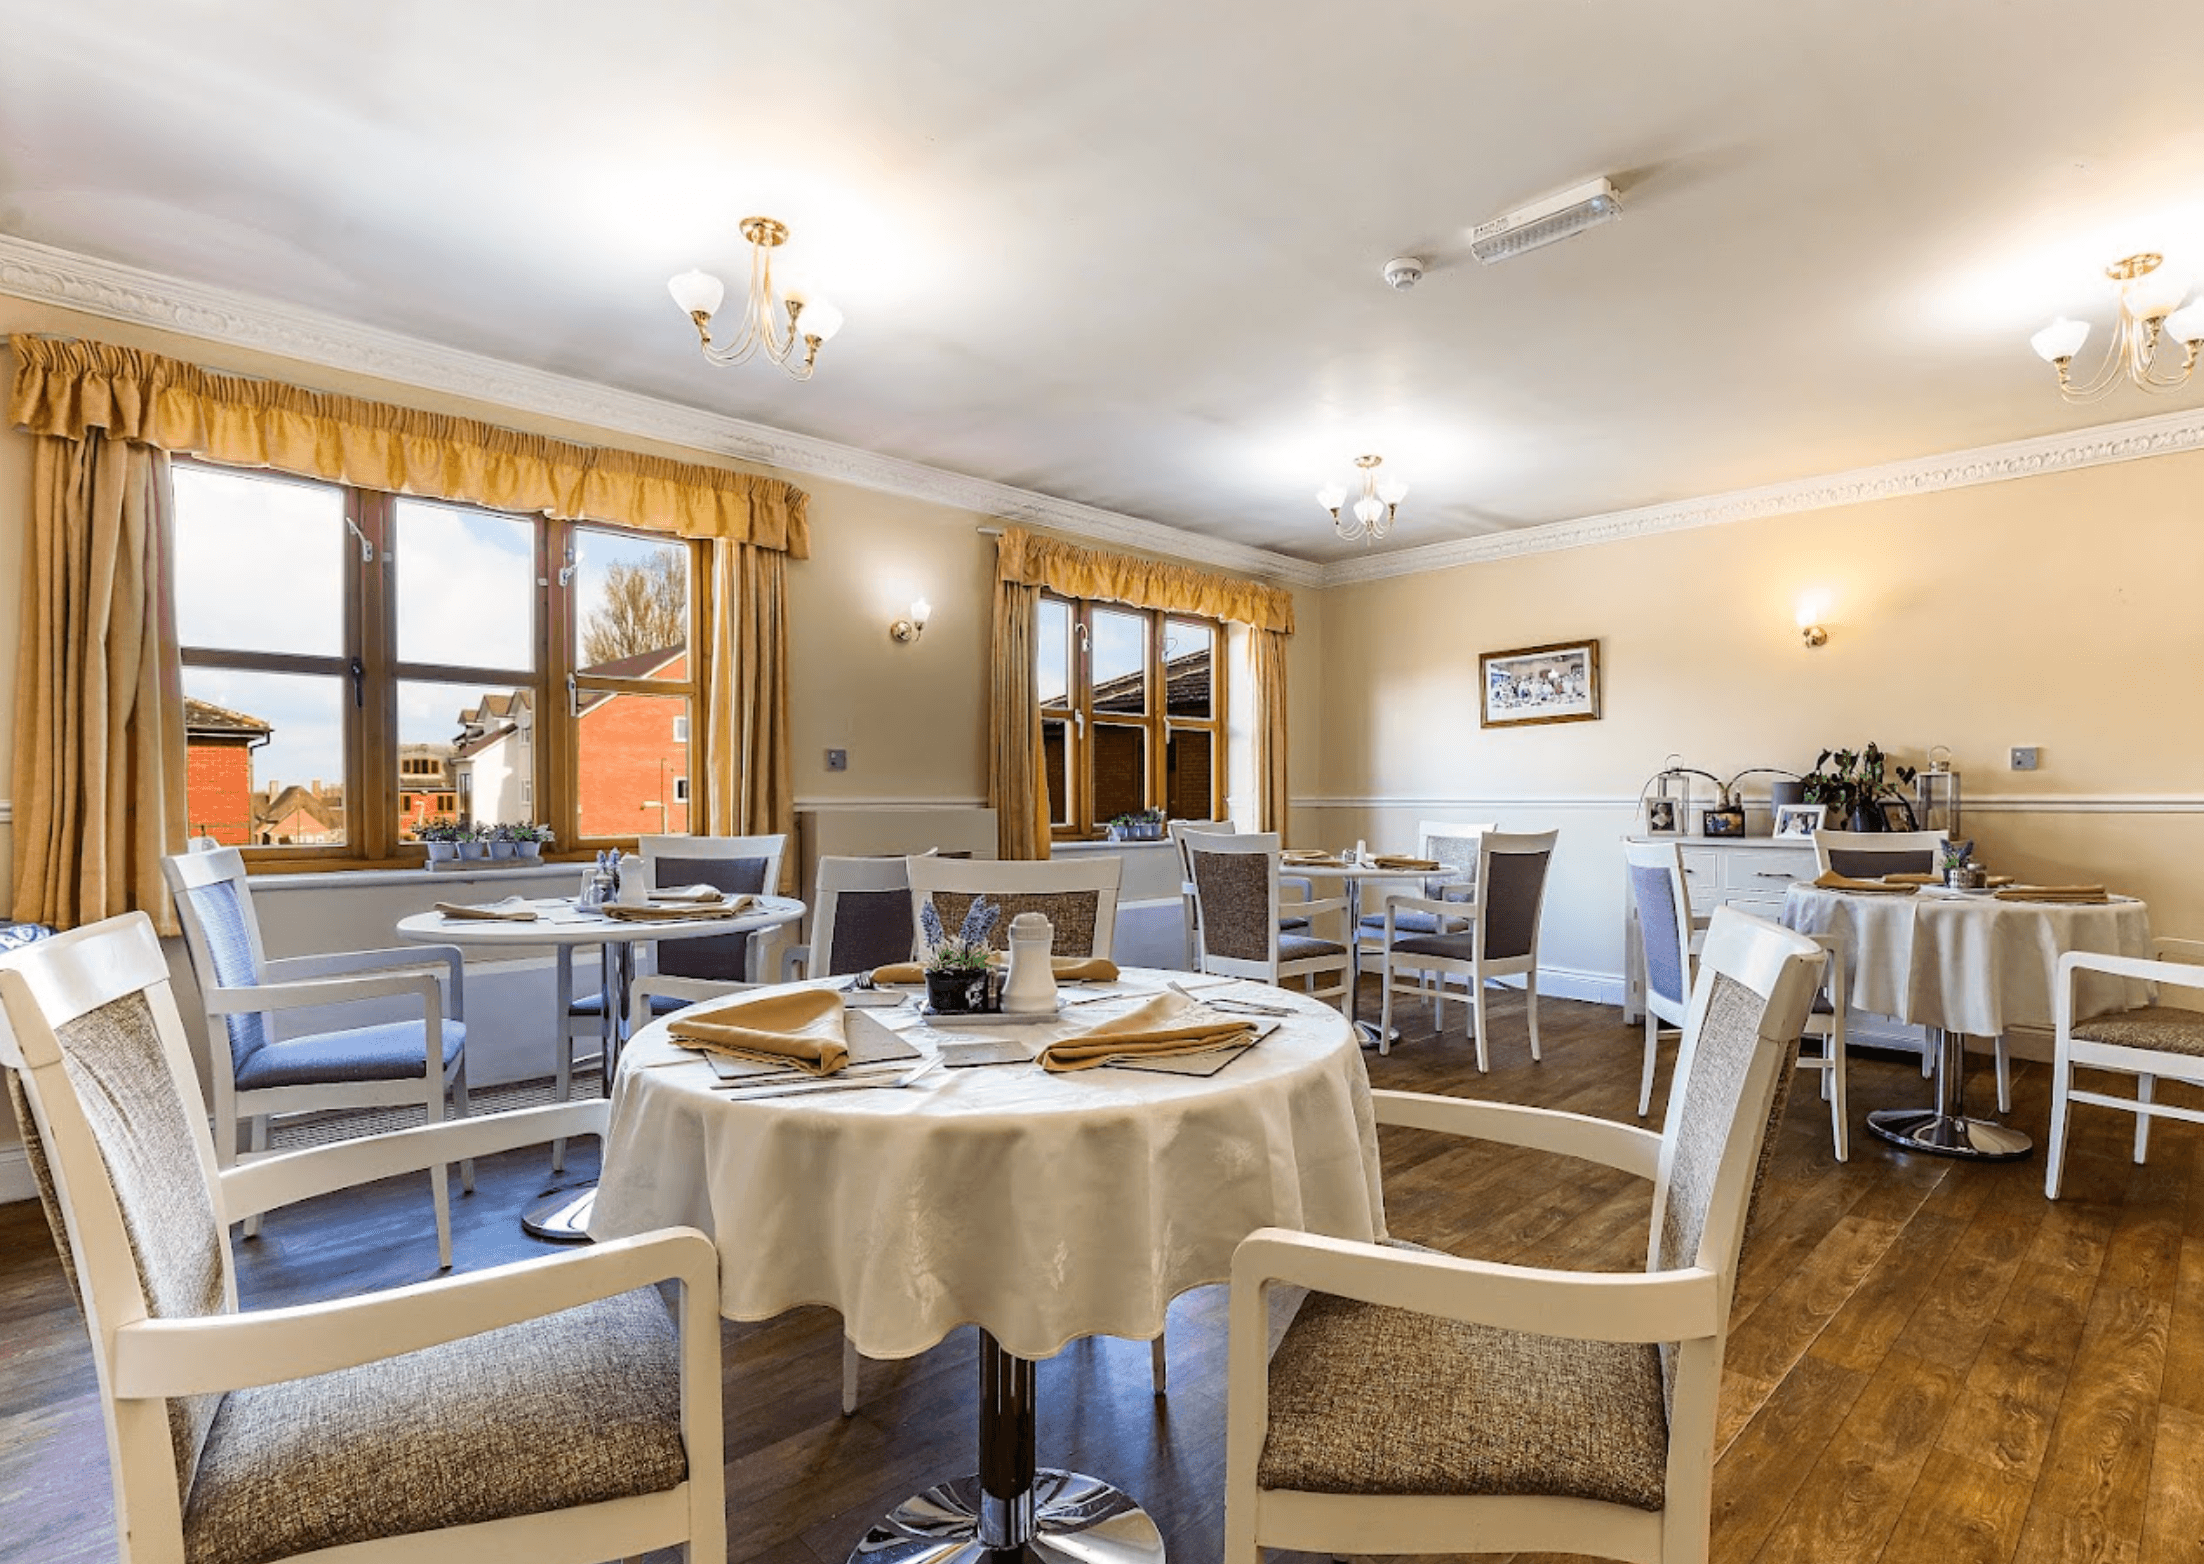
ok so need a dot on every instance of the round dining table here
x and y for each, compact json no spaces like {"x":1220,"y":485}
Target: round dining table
{"x":1349,"y":878}
{"x":563,"y":1215}
{"x":1967,"y":964}
{"x":1041,"y":1207}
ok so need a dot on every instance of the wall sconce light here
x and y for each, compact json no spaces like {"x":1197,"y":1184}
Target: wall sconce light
{"x":910,"y":629}
{"x":1811,"y":610}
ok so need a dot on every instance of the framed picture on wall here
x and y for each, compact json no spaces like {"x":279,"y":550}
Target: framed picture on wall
{"x":1535,"y":684}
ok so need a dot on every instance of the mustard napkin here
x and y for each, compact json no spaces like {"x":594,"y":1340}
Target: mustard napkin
{"x":697,"y":895}
{"x":801,"y":1028}
{"x":511,"y":910}
{"x":1396,"y":861}
{"x":1068,"y":969}
{"x":2078,"y":895}
{"x":622,"y":913}
{"x":1166,"y":1025}
{"x":1913,"y":879}
{"x":1833,"y":881}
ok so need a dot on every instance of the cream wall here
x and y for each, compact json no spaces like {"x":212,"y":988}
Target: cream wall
{"x":2060,"y":611}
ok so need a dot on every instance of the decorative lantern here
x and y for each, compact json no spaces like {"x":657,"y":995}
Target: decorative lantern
{"x":1936,"y":794}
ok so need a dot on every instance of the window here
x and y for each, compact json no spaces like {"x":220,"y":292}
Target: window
{"x":1132,"y":713}
{"x":502,"y":668}
{"x":681,"y":790}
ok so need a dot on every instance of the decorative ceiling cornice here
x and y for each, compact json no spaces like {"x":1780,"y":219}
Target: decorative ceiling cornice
{"x":2162,"y":435}
{"x":105,"y":288}
{"x":116,"y":292}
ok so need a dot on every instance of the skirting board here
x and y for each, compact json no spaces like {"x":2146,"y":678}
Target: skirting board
{"x":16,"y":1182}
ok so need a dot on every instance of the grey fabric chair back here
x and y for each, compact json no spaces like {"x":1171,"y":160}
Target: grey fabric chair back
{"x":148,"y":1139}
{"x":722,"y":957}
{"x":1235,"y":891}
{"x":1513,"y":895}
{"x":1655,"y":892}
{"x":1073,"y":914}
{"x":1861,"y":863}
{"x":871,"y":929}
{"x":221,"y":948}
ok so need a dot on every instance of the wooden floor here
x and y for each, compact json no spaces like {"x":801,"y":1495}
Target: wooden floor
{"x":1930,"y":1361}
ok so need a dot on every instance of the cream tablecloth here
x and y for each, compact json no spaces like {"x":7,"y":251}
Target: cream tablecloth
{"x":1041,"y":1207}
{"x":1972,"y":964}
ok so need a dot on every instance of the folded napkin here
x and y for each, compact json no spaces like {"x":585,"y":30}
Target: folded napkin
{"x":621,"y":912}
{"x":1913,"y":879}
{"x":1833,"y":881}
{"x":698,"y":894}
{"x":2082,"y":895}
{"x":512,"y":909}
{"x":1068,"y":969}
{"x":1166,"y":1025}
{"x":1396,"y":861}
{"x":801,"y":1028}
{"x":1307,"y":855}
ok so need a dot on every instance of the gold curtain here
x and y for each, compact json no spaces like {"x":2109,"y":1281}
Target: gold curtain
{"x":66,"y":388}
{"x":1014,"y":766}
{"x":750,"y":790}
{"x":1267,"y":661}
{"x":99,"y":735}
{"x":1033,"y":560}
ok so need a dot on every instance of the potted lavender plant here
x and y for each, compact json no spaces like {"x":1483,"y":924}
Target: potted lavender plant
{"x":956,"y":964}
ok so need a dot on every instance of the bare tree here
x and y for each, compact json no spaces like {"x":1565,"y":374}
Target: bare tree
{"x":646,"y":609}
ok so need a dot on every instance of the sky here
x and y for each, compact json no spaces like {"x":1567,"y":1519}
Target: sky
{"x":261,"y":566}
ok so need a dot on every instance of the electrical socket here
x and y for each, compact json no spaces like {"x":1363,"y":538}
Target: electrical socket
{"x":2024,"y":757}
{"x":837,"y":760}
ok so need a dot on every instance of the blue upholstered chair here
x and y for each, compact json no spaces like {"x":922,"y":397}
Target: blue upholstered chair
{"x":260,"y":1074}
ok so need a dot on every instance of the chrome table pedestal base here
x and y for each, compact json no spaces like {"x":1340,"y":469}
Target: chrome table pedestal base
{"x":1076,"y":1520}
{"x":1945,"y":1130}
{"x":1010,"y":1512}
{"x":562,"y":1216}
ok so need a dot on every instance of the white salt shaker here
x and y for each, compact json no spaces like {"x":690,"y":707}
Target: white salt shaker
{"x":1031,"y":985}
{"x":634,"y":892}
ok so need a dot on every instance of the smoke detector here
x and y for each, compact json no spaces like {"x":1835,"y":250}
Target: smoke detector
{"x":1403,"y":272}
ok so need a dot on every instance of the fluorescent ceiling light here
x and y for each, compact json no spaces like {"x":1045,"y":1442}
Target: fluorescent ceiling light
{"x":1545,"y":222}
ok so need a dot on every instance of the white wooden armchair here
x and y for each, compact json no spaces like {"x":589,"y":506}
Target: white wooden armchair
{"x":549,"y":1412}
{"x":1421,"y":1403}
{"x":257,"y":1075}
{"x":1493,"y":934}
{"x":2145,"y":1041}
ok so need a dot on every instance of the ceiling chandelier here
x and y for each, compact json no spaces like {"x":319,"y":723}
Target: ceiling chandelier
{"x":1373,"y":513}
{"x":2149,"y":314}
{"x":780,"y":324}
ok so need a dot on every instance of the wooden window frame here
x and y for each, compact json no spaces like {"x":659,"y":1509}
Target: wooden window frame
{"x":1080,"y":719}
{"x":369,"y":664}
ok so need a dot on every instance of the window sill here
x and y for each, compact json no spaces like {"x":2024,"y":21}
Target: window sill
{"x":370,"y":876}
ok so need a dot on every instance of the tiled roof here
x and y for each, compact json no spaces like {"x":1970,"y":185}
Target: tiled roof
{"x":206,"y":718}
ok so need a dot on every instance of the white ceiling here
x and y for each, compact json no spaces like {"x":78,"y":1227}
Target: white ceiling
{"x":1128,"y":254}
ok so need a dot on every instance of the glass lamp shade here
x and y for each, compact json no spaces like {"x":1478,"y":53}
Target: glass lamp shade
{"x":697,"y":291}
{"x":2187,"y":324}
{"x":921,"y":611}
{"x":1392,"y":491}
{"x":2153,"y":294}
{"x":2063,"y":338}
{"x":1331,"y":496}
{"x":1369,"y":510}
{"x":817,"y":318}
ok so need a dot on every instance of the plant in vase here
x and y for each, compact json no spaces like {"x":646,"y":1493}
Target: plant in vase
{"x":474,"y":841}
{"x":956,"y":964}
{"x":441,"y":835}
{"x":1856,"y":784}
{"x":1141,"y":825}
{"x":529,"y":840}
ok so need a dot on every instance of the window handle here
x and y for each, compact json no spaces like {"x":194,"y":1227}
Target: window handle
{"x":359,"y":683}
{"x":367,"y":549}
{"x":573,"y":697}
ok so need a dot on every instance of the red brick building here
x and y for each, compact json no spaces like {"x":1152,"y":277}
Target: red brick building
{"x":218,"y":770}
{"x":634,"y":753}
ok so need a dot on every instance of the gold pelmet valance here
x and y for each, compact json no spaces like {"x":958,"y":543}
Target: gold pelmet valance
{"x":64,"y":388}
{"x":1033,"y":560}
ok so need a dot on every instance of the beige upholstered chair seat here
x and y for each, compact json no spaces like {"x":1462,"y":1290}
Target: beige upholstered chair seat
{"x":2159,"y":1028}
{"x":1300,"y":947}
{"x":572,"y":1409}
{"x":1372,"y":1400}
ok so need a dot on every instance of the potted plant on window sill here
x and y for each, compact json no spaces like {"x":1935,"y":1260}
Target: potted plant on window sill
{"x":1854,"y":786}
{"x":473,"y":841}
{"x":440,"y":834}
{"x":1143,"y":825}
{"x":529,"y":840}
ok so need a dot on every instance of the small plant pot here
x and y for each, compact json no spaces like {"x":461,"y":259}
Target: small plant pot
{"x":442,"y":852}
{"x":528,"y":849}
{"x":473,"y":850}
{"x":502,"y":849}
{"x":954,"y":993}
{"x":1967,"y":877}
